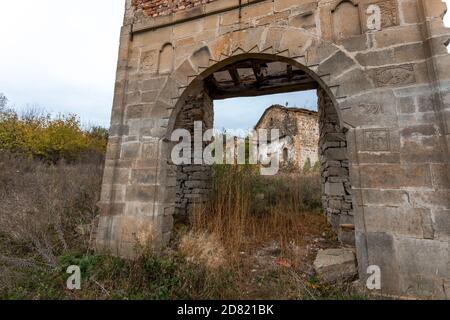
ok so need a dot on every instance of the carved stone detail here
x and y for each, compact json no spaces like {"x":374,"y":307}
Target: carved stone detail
{"x":372,"y":109}
{"x":393,"y":76}
{"x":376,"y":140}
{"x":149,"y":60}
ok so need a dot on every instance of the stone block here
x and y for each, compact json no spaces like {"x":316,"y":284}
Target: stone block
{"x":395,"y":221}
{"x":130,"y":150}
{"x":391,"y":198}
{"x":257,"y":10}
{"x":421,"y":143}
{"x":281,"y":17}
{"x":334,"y":189}
{"x":440,"y":176}
{"x":336,"y":154}
{"x":336,"y":64}
{"x":333,"y":219}
{"x":117,"y":130}
{"x":430,"y":199}
{"x":185,"y":30}
{"x":143,"y":176}
{"x":381,"y":252}
{"x":441,"y":224}
{"x":346,"y":234}
{"x":406,"y":105}
{"x":125,"y":236}
{"x":379,"y":157}
{"x":142,"y":193}
{"x":154,"y":84}
{"x":134,"y":208}
{"x":304,"y":20}
{"x":390,"y":37}
{"x":195,"y":184}
{"x":423,"y":265}
{"x":135,"y":111}
{"x":335,"y":265}
{"x":409,"y":11}
{"x":395,"y":176}
{"x":352,"y":83}
{"x":149,"y":96}
{"x":396,"y":55}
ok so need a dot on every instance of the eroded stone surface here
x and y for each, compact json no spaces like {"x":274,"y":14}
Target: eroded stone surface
{"x":336,"y":265}
{"x":299,"y":135}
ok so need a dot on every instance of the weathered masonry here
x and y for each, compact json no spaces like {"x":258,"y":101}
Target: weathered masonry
{"x":382,"y":73}
{"x":299,"y":135}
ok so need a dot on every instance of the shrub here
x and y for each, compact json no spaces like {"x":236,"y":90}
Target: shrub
{"x":38,"y":135}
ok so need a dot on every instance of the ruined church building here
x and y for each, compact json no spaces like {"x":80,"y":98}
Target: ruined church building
{"x":382,"y":73}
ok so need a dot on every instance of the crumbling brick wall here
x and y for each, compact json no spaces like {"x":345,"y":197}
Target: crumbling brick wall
{"x":155,"y":8}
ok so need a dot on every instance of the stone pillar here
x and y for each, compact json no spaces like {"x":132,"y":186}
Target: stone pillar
{"x":138,"y":192}
{"x":194,"y":180}
{"x":336,"y":188}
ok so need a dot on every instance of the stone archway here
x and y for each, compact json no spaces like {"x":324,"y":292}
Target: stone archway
{"x":386,"y":71}
{"x":196,"y":104}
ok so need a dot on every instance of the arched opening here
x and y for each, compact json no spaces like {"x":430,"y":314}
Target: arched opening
{"x":250,"y":75}
{"x":388,"y":91}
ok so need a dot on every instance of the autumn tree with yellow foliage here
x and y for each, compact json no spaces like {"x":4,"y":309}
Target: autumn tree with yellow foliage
{"x":41,"y":136}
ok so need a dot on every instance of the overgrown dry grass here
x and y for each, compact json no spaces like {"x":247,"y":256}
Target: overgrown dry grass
{"x":203,"y":248}
{"x":269,"y":229}
{"x":257,"y":239}
{"x":45,"y":211}
{"x":47,"y":217}
{"x":248,"y":210}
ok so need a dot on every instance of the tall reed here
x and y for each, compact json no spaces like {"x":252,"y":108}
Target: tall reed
{"x":247,"y":210}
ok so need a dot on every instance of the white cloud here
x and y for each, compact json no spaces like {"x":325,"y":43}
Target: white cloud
{"x":61,"y":55}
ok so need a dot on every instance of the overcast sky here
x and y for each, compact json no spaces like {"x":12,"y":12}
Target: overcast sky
{"x":61,"y":55}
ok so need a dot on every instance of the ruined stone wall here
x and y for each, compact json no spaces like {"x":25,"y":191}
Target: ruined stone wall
{"x":307,"y":141}
{"x":299,"y":133}
{"x":156,"y":8}
{"x":335,"y":166}
{"x":194,"y":180}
